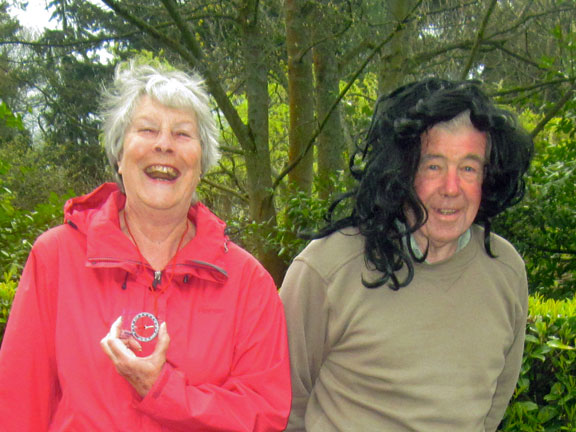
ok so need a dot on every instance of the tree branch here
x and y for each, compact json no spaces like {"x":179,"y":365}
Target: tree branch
{"x":232,"y":150}
{"x":554,"y":110}
{"x":478,"y":40}
{"x":347,"y":27}
{"x":524,"y":19}
{"x":530,"y":87}
{"x":97,"y":40}
{"x":499,"y":46}
{"x":240,"y":129}
{"x":194,"y":57}
{"x":225,"y":189}
{"x":368,"y":59}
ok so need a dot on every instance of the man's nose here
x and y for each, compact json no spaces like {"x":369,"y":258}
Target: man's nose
{"x":451,"y":184}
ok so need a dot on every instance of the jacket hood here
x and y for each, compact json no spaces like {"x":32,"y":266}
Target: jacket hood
{"x":96,"y":215}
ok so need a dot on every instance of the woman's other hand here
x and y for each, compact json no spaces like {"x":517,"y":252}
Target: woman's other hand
{"x":140,"y":372}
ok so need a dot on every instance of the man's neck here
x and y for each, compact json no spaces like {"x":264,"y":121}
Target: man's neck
{"x":437,"y":252}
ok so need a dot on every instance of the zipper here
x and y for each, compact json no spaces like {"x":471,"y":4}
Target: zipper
{"x":157,"y":279}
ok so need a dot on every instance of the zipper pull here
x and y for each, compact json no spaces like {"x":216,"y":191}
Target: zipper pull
{"x":157,"y":279}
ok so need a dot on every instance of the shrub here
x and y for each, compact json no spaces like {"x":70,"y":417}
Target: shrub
{"x":545,"y":397}
{"x":299,"y":213}
{"x":7,"y":291}
{"x":19,"y":228}
{"x":543,"y":225}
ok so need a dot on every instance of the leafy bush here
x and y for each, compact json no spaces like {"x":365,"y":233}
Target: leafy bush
{"x":545,"y":397}
{"x":7,"y":117}
{"x":7,"y":291}
{"x":19,"y":228}
{"x":30,"y":174}
{"x":298,"y":213}
{"x":543,"y":225}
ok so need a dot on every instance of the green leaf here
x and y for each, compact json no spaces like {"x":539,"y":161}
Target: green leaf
{"x":547,"y":413}
{"x":528,"y":406}
{"x":554,"y":343}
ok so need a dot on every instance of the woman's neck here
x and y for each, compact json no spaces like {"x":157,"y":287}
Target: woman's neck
{"x":157,"y":235}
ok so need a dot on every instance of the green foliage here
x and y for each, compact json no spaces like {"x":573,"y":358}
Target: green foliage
{"x":71,"y":138}
{"x":10,"y":119}
{"x":19,"y":228}
{"x":300,"y":214}
{"x":545,"y":397}
{"x":30,"y":175}
{"x":358,"y":105}
{"x":543,"y":225}
{"x":7,"y":292}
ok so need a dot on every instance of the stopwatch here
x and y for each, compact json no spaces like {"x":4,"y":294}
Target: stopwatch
{"x":145,"y":326}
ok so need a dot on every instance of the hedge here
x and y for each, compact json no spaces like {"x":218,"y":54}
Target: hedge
{"x":7,"y":291}
{"x":545,"y":397}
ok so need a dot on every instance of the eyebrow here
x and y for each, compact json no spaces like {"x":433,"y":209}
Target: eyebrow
{"x":470,"y":156}
{"x":149,"y":119}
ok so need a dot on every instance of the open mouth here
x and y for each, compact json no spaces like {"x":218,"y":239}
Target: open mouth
{"x":447,"y":212}
{"x":162,"y":172}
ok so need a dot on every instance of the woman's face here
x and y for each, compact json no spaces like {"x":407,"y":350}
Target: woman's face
{"x":161,"y":157}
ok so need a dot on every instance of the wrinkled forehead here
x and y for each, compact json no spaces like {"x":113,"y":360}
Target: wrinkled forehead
{"x":147,"y":106}
{"x":430,"y":137}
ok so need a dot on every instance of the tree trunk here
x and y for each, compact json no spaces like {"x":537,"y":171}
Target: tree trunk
{"x":391,"y":70}
{"x":257,"y":158}
{"x":300,"y":92}
{"x":331,"y":141}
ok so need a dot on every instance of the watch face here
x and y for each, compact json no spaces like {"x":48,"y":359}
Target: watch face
{"x":144,"y":327}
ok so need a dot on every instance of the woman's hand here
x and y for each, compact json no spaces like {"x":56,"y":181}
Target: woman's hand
{"x":140,"y":372}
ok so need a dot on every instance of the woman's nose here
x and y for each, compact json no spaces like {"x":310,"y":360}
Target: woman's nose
{"x":164,"y":142}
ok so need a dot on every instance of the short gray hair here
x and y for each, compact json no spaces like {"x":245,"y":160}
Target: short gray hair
{"x":455,"y":123}
{"x":460,"y":121}
{"x":170,"y":87}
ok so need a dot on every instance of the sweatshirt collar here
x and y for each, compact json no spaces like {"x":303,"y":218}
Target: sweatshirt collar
{"x":410,"y":241}
{"x":463,"y":240}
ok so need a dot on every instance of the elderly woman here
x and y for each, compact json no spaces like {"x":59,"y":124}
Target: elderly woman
{"x":138,"y":314}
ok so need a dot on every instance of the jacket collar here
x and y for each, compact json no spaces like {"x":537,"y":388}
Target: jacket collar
{"x":96,"y":215}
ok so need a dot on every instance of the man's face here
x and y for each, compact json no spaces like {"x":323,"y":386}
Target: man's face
{"x":449,"y":184}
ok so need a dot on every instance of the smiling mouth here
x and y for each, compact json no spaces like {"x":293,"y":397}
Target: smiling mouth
{"x":162,"y":172}
{"x":446,"y":212}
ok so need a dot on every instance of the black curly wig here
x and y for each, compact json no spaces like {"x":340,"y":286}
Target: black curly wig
{"x":386,"y":164}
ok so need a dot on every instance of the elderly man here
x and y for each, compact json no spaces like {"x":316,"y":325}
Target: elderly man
{"x":409,"y":314}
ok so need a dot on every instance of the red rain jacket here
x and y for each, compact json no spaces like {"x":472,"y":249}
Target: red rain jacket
{"x":227,"y":365}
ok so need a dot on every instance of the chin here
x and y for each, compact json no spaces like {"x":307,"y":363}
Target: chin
{"x":158,"y":202}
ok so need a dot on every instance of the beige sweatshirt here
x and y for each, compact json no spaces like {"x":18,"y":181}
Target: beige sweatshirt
{"x":442,"y":354}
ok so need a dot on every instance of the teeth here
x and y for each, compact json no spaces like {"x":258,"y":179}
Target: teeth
{"x":446,"y":211}
{"x":162,"y":172}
